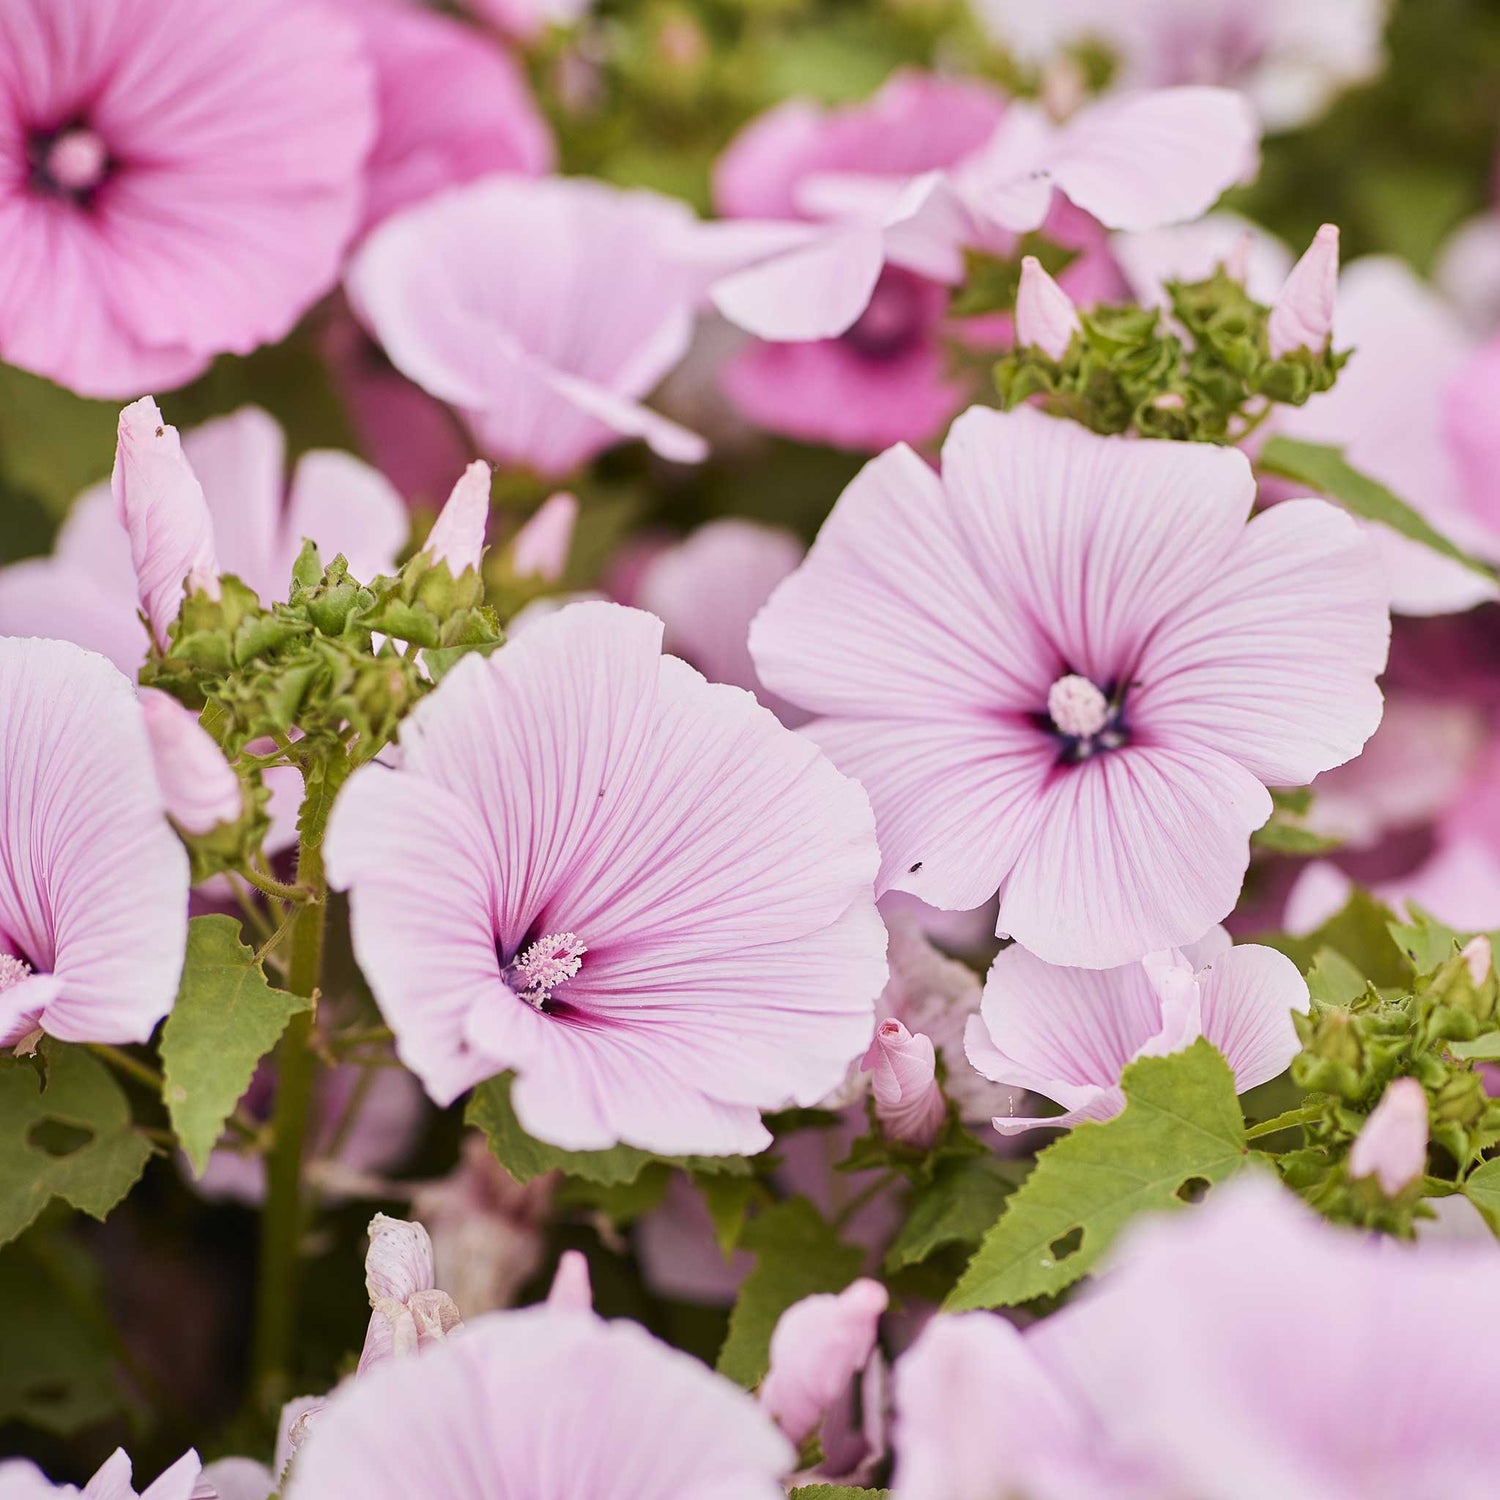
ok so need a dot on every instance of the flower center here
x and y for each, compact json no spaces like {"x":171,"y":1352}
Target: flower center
{"x":70,"y":163}
{"x":541,"y":968}
{"x":1084,"y":717}
{"x":12,"y":970}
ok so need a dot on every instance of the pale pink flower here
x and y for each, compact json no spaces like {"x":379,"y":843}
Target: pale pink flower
{"x":238,"y":1479}
{"x":1468,"y":272}
{"x":407,"y":1312}
{"x":1226,"y":1296}
{"x":457,"y":536}
{"x":1045,"y":315}
{"x":453,"y":106}
{"x":633,"y":888}
{"x":1070,"y":1033}
{"x":540,"y":548}
{"x":542,"y":310}
{"x":253,"y":527}
{"x":178,"y":179}
{"x":20,"y":1480}
{"x":543,"y":1402}
{"x":1392,"y":1144}
{"x":199,"y":785}
{"x":1192,"y":252}
{"x":1067,"y":669}
{"x":1471,"y":426}
{"x":1302,"y":314}
{"x":571,"y":1290}
{"x":1290,"y":57}
{"x":819,"y":1347}
{"x":94,"y":883}
{"x":903,"y":1079}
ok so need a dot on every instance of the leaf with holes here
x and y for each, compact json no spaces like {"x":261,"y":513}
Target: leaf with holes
{"x":1181,"y":1127}
{"x":72,"y":1139}
{"x":225,"y":1020}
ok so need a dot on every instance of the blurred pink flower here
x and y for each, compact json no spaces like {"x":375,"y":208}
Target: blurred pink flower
{"x":1192,"y":252}
{"x":178,"y":179}
{"x":20,"y":1480}
{"x":542,"y":310}
{"x":1070,"y":1033}
{"x":903,"y":1079}
{"x":1220,"y":1293}
{"x":238,"y":1479}
{"x":635,"y":889}
{"x":1066,"y":669}
{"x":199,"y":785}
{"x":453,"y":106}
{"x":540,"y":548}
{"x":1392,"y":1143}
{"x":545,"y":1402}
{"x":407,"y":1312}
{"x":93,"y":882}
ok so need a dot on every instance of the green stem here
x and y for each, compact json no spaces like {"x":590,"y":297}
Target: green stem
{"x":282,"y":1220}
{"x":130,"y":1066}
{"x":1292,"y":1117}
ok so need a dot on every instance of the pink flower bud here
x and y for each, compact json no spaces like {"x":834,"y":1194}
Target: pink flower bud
{"x":908,"y":1102}
{"x":540,"y":548}
{"x":1477,"y":955}
{"x":406,"y":1311}
{"x":161,"y":505}
{"x":457,"y":536}
{"x":571,"y":1288}
{"x":198,"y":784}
{"x":1393,"y":1143}
{"x":820,"y":1344}
{"x":1302,"y":315}
{"x":1045,"y":315}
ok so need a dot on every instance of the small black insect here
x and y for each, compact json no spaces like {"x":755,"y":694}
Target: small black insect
{"x":913,"y":870}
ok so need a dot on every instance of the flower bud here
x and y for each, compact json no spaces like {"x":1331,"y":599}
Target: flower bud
{"x":1392,"y":1144}
{"x":1477,"y":955}
{"x":540,"y":548}
{"x":457,"y":536}
{"x":571,"y":1289}
{"x":1302,"y":315}
{"x":820,"y":1344}
{"x":199,"y":786}
{"x":161,"y":506}
{"x":908,"y":1102}
{"x":406,"y":1311}
{"x":1045,"y":316}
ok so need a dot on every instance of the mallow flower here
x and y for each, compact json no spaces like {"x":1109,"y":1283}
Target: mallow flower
{"x":1070,"y":1033}
{"x":633,"y":888}
{"x":1066,"y":670}
{"x":546,"y":1401}
{"x":178,"y":179}
{"x":407,"y":1310}
{"x":94,"y":882}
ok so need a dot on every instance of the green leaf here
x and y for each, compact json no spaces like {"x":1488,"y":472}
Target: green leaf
{"x":727,"y":1200}
{"x":1484,"y":1048}
{"x":1334,"y":980}
{"x":225,"y":1020}
{"x":1427,"y":942}
{"x":1324,"y":469}
{"x":1181,"y":1124}
{"x":525,"y":1157}
{"x":1482,"y":1189}
{"x":797,"y":1253}
{"x":72,"y":1139}
{"x":53,"y":443}
{"x":961,"y":1206}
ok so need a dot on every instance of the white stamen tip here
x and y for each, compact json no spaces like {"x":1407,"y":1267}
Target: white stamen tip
{"x":1077,"y":706}
{"x":547,"y":963}
{"x":76,"y":160}
{"x":12,"y":970}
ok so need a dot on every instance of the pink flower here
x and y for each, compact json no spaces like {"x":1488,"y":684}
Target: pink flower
{"x":1066,"y":669}
{"x":903,"y":1068}
{"x":1219,"y":1294}
{"x":540,"y":548}
{"x":94,"y":883}
{"x":457,"y":536}
{"x":1302,"y":315}
{"x":1070,"y":1033}
{"x":453,"y":106}
{"x":543,"y":1402}
{"x":1392,"y":1143}
{"x":252,"y":527}
{"x":199,"y":785}
{"x":706,"y":590}
{"x":1471,"y":403}
{"x":178,"y":179}
{"x":1045,"y":315}
{"x":543,"y":310}
{"x":633,"y":888}
{"x":819,"y":1347}
{"x":407,"y":1313}
{"x":238,"y":1479}
{"x":20,"y":1480}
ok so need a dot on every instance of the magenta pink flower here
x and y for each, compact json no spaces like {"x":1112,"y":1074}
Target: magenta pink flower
{"x":1069,"y":1033}
{"x":543,"y":1402}
{"x":94,"y":883}
{"x":20,"y":1480}
{"x":634,"y":889}
{"x":543,"y":310}
{"x":453,"y":106}
{"x":178,"y":179}
{"x":1066,"y":670}
{"x":199,"y":785}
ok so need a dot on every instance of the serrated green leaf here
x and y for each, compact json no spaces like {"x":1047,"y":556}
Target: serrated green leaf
{"x":73,"y":1140}
{"x":525,"y":1157}
{"x":797,"y":1253}
{"x":960,"y":1207}
{"x":1482,"y":1189}
{"x":1323,"y":468}
{"x":1181,"y":1124}
{"x":227,"y":1017}
{"x":1484,"y":1048}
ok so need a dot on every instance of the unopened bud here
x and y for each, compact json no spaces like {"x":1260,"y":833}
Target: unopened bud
{"x":571,"y":1290}
{"x":908,"y":1102}
{"x":1392,"y":1145}
{"x":457,"y":536}
{"x":406,"y":1311}
{"x":1045,"y":316}
{"x":1477,"y":956}
{"x":1302,"y":315}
